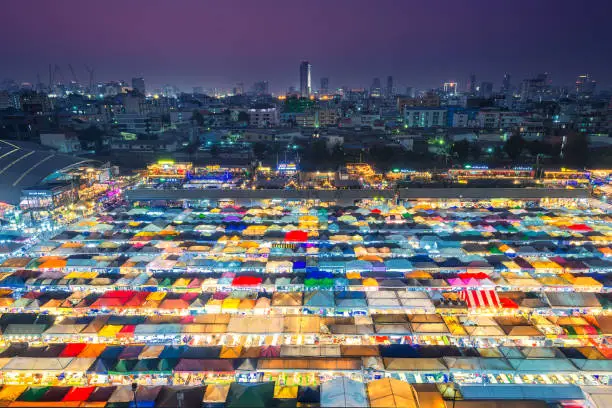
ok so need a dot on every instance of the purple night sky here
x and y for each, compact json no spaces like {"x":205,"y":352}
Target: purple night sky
{"x":218,"y":43}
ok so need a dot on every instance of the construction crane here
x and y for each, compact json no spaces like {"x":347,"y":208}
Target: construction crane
{"x":91,"y":78}
{"x":50,"y":78}
{"x":74,"y":77}
{"x":58,"y":73}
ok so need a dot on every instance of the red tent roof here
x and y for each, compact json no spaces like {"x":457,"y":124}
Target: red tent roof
{"x":508,"y":303}
{"x":108,"y":302}
{"x":127,"y":331}
{"x":296,"y":236}
{"x":72,"y":349}
{"x":479,"y":275}
{"x":580,"y":228}
{"x":137,"y":300}
{"x":78,"y":394}
{"x":247,"y":281}
{"x":481,"y":298}
{"x":123,"y":294}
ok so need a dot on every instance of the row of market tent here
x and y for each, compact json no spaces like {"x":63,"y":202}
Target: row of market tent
{"x":339,"y":392}
{"x":312,"y":278}
{"x":378,"y":328}
{"x":275,"y":261}
{"x":325,"y":301}
{"x":82,"y":358}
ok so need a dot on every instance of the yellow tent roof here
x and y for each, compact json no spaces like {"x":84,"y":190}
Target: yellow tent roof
{"x":230,"y":303}
{"x":586,"y":281}
{"x":156,"y":296}
{"x":286,"y":391}
{"x":81,"y":275}
{"x":12,"y":392}
{"x":418,"y":275}
{"x":216,"y":393}
{"x":181,"y":282}
{"x":230,"y":352}
{"x":389,"y":392}
{"x":110,"y":330}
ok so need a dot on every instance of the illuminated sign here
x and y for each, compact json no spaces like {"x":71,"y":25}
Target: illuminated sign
{"x":287,"y":167}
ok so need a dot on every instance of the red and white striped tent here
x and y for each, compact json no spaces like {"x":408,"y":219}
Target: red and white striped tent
{"x":481,"y":298}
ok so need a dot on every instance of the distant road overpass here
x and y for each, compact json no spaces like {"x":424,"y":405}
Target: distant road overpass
{"x":350,"y":196}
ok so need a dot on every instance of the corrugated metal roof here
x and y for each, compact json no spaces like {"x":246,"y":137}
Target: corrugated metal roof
{"x":22,"y":167}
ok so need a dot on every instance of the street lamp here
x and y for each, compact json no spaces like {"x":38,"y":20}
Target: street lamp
{"x":134,"y":388}
{"x":180,"y":397}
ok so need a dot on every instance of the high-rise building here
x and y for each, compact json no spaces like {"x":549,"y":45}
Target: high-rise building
{"x":585,"y":86}
{"x":375,"y":89}
{"x":138,"y":84}
{"x":324,"y":85}
{"x":450,"y":88}
{"x":471,"y":88}
{"x":537,"y":88}
{"x":486,"y":90}
{"x":305,"y":79}
{"x":261,"y":88}
{"x":238,"y":89}
{"x":389,"y":90}
{"x":506,"y":85}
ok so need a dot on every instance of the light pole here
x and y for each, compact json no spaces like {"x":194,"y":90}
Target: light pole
{"x":180,"y":397}
{"x":134,"y":388}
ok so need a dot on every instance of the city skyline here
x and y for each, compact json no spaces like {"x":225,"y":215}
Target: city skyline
{"x":376,"y":41}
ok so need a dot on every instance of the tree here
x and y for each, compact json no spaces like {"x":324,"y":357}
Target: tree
{"x":243,"y":117}
{"x":91,"y":135}
{"x":514,"y":146}
{"x":259,"y":149}
{"x":576,"y":151}
{"x":337,"y":155}
{"x":536,"y":147}
{"x":461,"y":149}
{"x":475,"y":150}
{"x":197,"y":117}
{"x":214,"y":150}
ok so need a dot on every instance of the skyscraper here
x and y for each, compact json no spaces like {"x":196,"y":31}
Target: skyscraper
{"x":138,"y":84}
{"x":450,"y":88}
{"x":389,"y":90}
{"x":506,"y":86}
{"x":585,"y":86}
{"x":375,"y":89}
{"x":486,"y":90}
{"x":238,"y":89}
{"x":305,"y":79}
{"x":261,"y":88}
{"x":324,"y":85}
{"x":471,"y":88}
